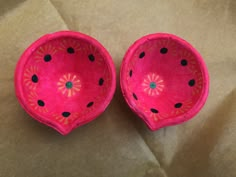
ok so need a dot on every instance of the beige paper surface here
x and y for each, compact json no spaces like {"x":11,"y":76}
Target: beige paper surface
{"x":118,"y":144}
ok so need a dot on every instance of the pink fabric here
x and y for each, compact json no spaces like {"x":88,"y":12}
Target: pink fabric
{"x":65,"y":79}
{"x":164,"y":80}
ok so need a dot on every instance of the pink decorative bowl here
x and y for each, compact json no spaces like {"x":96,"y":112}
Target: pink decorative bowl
{"x":64,"y":80}
{"x":164,"y":80}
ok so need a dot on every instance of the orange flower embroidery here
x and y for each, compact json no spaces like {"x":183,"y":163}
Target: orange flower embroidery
{"x":45,"y":53}
{"x":69,"y":84}
{"x":70,"y":45}
{"x":66,"y":118}
{"x":31,"y":77}
{"x":36,"y":103}
{"x":153,"y":84}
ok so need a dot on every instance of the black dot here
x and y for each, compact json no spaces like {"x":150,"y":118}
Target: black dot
{"x":178,"y":105}
{"x":34,"y":78}
{"x":65,"y":114}
{"x":135,"y":96}
{"x":154,"y":110}
{"x":191,"y":83}
{"x":164,"y":50}
{"x":41,"y":103}
{"x":141,"y":55}
{"x":70,"y":50}
{"x":91,"y":57}
{"x":47,"y":58}
{"x":101,"y":81}
{"x":184,"y":62}
{"x":130,"y":73}
{"x":90,"y":104}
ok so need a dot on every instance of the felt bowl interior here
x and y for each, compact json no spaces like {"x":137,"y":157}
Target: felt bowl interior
{"x":164,"y":80}
{"x":65,"y":80}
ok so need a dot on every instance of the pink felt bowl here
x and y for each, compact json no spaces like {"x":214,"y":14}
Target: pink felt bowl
{"x":164,"y":80}
{"x":64,"y":80}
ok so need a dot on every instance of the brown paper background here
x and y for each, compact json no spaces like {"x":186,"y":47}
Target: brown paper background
{"x":118,"y":144}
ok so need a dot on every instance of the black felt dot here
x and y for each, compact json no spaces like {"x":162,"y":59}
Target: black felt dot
{"x":34,"y":78}
{"x":66,"y":114}
{"x":154,"y":110}
{"x":191,"y":83}
{"x":135,"y":96}
{"x":90,"y":104}
{"x":41,"y":103}
{"x":178,"y":105}
{"x":141,"y":55}
{"x":101,"y":81}
{"x":70,"y":50}
{"x":47,"y":58}
{"x":164,"y":50}
{"x":91,"y":57}
{"x":130,"y":73}
{"x":184,"y":62}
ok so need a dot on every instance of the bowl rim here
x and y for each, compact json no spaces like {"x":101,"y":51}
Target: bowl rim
{"x":170,"y":121}
{"x":26,"y":55}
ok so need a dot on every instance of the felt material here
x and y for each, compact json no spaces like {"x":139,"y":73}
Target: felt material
{"x":164,"y":80}
{"x":118,"y":143}
{"x":59,"y":80}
